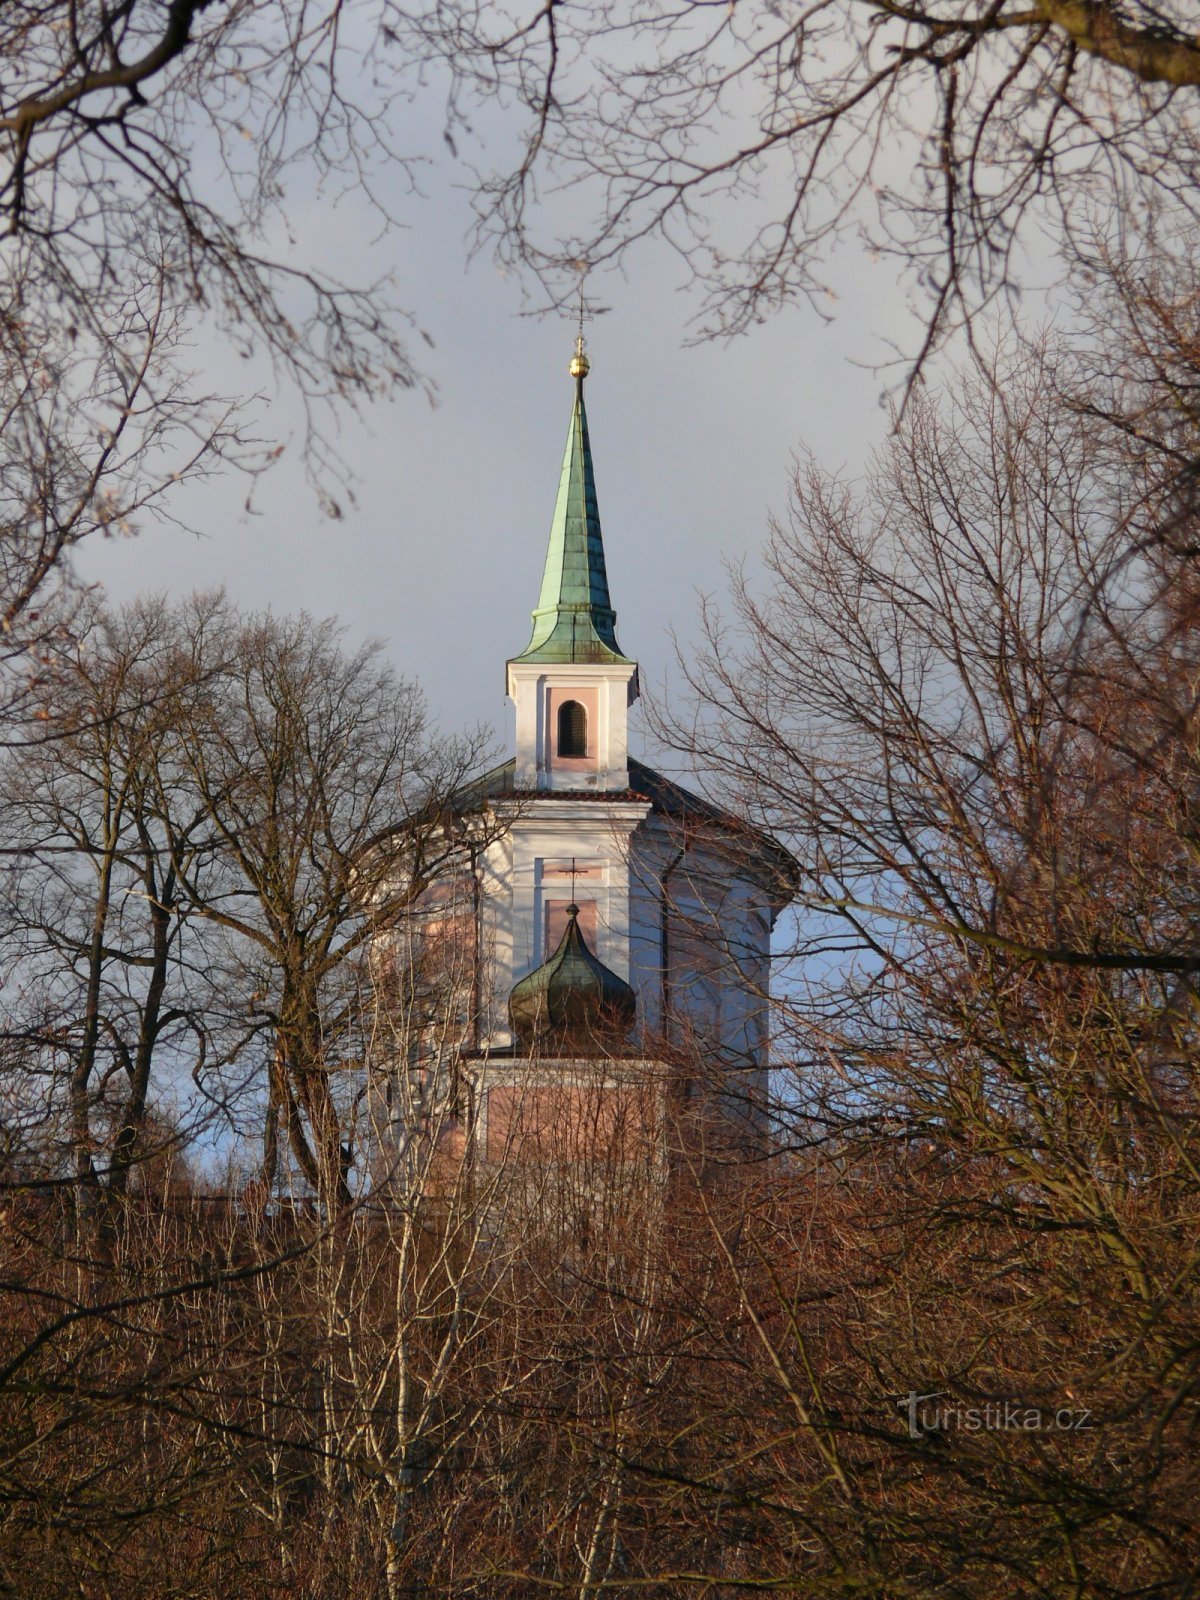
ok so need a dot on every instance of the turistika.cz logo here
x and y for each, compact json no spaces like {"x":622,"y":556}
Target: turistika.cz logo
{"x":926,"y":1415}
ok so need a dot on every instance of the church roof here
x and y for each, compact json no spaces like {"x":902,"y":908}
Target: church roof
{"x":574,"y":620}
{"x":572,"y":1000}
{"x":644,"y":784}
{"x":666,"y":798}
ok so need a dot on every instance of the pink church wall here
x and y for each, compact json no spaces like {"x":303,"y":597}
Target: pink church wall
{"x":589,"y":699}
{"x":572,"y":1122}
{"x":556,"y":921}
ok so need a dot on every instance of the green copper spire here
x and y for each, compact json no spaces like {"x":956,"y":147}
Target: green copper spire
{"x":574,"y":620}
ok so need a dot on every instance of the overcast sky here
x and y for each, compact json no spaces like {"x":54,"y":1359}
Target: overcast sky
{"x":441,"y":552}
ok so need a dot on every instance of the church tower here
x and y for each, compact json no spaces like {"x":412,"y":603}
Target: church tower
{"x":571,"y":685}
{"x":617,"y":926}
{"x":622,"y":919}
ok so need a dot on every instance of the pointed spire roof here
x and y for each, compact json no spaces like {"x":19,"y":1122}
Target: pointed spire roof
{"x":574,"y":619}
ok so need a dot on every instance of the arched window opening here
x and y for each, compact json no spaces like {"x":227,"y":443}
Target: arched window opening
{"x":572,"y":729}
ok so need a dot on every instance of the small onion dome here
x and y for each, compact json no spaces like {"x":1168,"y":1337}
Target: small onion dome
{"x":572,"y":1002}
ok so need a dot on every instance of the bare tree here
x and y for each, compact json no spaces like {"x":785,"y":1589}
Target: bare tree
{"x":103,"y":969}
{"x":145,"y":155}
{"x":95,"y":435}
{"x":967,"y":701}
{"x":751,"y":138}
{"x":329,"y":798}
{"x":162,"y":137}
{"x":227,"y":815}
{"x":909,"y":697}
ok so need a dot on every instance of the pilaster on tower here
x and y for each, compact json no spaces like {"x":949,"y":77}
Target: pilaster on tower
{"x":571,"y":684}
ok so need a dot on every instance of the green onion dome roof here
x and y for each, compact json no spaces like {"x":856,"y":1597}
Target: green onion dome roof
{"x":572,"y":1002}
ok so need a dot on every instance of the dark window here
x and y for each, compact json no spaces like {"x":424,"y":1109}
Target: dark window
{"x":572,"y":729}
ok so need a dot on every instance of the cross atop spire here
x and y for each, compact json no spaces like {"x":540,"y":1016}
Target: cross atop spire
{"x":574,"y":620}
{"x":580,"y":365}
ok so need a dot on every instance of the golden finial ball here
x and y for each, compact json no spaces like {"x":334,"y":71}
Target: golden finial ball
{"x":580,"y":365}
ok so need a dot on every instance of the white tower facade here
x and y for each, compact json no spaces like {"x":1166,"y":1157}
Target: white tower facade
{"x":600,"y":951}
{"x":673,"y":896}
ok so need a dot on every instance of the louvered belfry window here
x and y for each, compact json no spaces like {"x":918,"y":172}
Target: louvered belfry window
{"x":572,"y":729}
